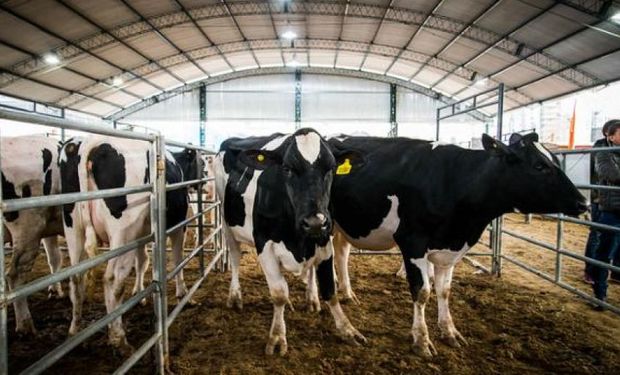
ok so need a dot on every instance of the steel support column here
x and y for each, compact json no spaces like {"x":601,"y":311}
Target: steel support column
{"x":297,"y":99}
{"x":393,"y":123}
{"x":202,"y":104}
{"x":496,"y":225}
{"x":4,"y":343}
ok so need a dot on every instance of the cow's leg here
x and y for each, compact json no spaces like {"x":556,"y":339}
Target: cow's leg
{"x":142,"y":263}
{"x":116,"y":272}
{"x":312,"y":291}
{"x":278,"y":289}
{"x":327,"y":288}
{"x":342,"y":248}
{"x":176,"y":239}
{"x":416,"y":266}
{"x":443,"y":279}
{"x":54,"y":260}
{"x":75,"y":244}
{"x":91,"y":248}
{"x":234,"y":295}
{"x":402,"y":273}
{"x":25,"y":251}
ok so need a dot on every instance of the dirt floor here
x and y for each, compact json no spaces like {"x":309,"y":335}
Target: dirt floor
{"x":515,"y":324}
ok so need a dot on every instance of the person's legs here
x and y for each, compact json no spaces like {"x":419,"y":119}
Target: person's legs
{"x":607,"y":240}
{"x":593,"y":242}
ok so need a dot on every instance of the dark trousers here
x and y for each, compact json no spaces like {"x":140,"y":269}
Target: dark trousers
{"x":594,"y":238}
{"x":606,"y":250}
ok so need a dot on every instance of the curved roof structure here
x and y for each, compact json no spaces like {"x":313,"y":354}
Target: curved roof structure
{"x":101,"y":57}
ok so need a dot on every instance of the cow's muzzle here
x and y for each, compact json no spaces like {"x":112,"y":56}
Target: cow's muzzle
{"x":315,"y":225}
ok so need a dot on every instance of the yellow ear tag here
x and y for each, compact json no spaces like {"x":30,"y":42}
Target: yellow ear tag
{"x":260,"y":157}
{"x":344,"y":168}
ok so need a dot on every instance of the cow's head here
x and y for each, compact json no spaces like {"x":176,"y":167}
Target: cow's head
{"x":532,"y":176}
{"x":305,"y":165}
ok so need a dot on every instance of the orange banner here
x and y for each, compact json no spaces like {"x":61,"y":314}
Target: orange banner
{"x":571,"y":134}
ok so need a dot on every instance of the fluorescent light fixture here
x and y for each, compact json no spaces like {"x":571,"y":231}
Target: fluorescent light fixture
{"x":293,"y":64}
{"x":51,"y":59}
{"x":289,"y":34}
{"x":482,"y":82}
{"x":615,"y":18}
{"x":117,"y":81}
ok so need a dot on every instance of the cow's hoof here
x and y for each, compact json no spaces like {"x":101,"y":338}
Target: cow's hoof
{"x":314,"y":305}
{"x":25,"y":329}
{"x":234,"y":300}
{"x":424,"y":348}
{"x":123,"y":347}
{"x":455,"y":340}
{"x":274,"y":342}
{"x":352,"y":335}
{"x":350,"y":297}
{"x":55,"y":292}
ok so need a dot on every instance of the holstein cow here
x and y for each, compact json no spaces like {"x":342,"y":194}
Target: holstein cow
{"x":29,"y":170}
{"x":105,"y":163}
{"x":275,"y":191}
{"x":434,"y":202}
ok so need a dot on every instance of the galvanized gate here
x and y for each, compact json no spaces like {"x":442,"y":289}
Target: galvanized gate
{"x":157,"y":188}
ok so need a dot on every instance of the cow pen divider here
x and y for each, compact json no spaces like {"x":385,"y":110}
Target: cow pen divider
{"x":157,"y":188}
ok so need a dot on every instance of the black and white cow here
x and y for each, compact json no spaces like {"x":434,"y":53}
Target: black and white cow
{"x":29,"y":170}
{"x":434,"y":202}
{"x":104,"y":163}
{"x":275,"y":192}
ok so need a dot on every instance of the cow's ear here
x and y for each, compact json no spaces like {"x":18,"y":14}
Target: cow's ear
{"x":497,"y":148}
{"x":530,"y":138}
{"x":515,"y":138}
{"x":260,"y":159}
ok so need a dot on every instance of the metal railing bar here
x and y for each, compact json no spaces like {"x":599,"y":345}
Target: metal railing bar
{"x":59,"y":351}
{"x":477,"y":254}
{"x":17,"y":204}
{"x":468,"y":110}
{"x":586,"y":150}
{"x":179,"y":185}
{"x":562,"y":284}
{"x":563,"y":251}
{"x":187,"y":145}
{"x":190,"y":219}
{"x":137,"y":355}
{"x":67,"y":272}
{"x":191,"y":255}
{"x":102,"y":129}
{"x":598,"y":187}
{"x":476,"y":264}
{"x":592,"y":224}
{"x":177,"y":310}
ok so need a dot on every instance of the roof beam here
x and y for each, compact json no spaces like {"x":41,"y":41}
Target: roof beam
{"x":74,"y":45}
{"x":83,"y":75}
{"x":275,"y":31}
{"x":415,"y":33}
{"x":283,"y":70}
{"x":532,"y":54}
{"x":56,"y":87}
{"x":203,"y":33}
{"x":165,"y":38}
{"x":374,"y":37}
{"x":120,"y":41}
{"x":467,"y":27}
{"x":344,"y":18}
{"x":245,"y":39}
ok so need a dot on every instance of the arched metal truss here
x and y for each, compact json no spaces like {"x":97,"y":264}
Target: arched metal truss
{"x":284,"y":70}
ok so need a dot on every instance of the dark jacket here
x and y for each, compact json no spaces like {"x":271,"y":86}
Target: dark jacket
{"x":593,"y":176}
{"x":608,"y":170}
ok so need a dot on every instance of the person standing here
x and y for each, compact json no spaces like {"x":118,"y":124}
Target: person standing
{"x":595,"y":233}
{"x":607,"y":165}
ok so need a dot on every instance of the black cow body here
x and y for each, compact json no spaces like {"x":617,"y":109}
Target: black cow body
{"x":104,"y":163}
{"x":434,"y":201}
{"x":275,"y":193}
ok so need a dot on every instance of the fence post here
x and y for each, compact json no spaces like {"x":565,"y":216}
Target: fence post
{"x":158,"y":225}
{"x":559,"y":235}
{"x":199,"y":205}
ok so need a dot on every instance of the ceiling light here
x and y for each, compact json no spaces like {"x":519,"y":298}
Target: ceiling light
{"x":117,"y":81}
{"x":615,"y":18}
{"x":51,"y":59}
{"x":482,"y":82}
{"x":293,"y":64}
{"x":289,"y":34}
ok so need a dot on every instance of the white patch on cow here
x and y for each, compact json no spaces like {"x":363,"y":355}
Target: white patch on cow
{"x":275,"y":143}
{"x":544,"y":151}
{"x":381,"y":238}
{"x":285,"y":257}
{"x":436,"y":144}
{"x":309,"y":146}
{"x":446,"y":257}
{"x":170,"y":157}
